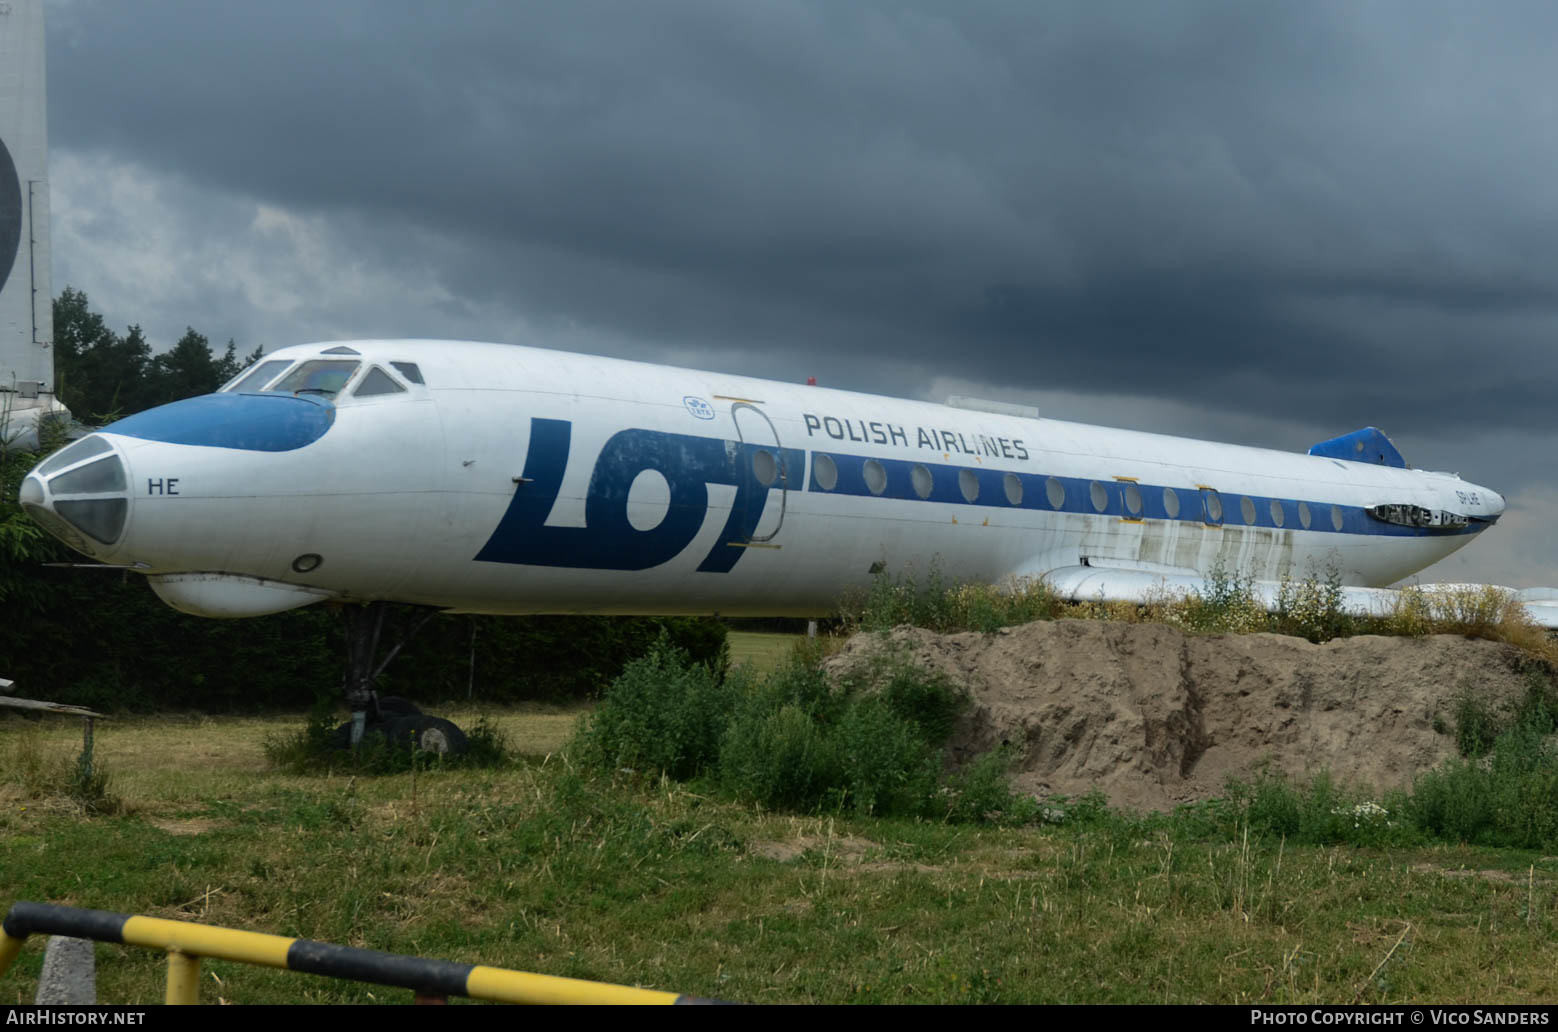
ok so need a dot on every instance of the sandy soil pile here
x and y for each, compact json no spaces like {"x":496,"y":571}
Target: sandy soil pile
{"x":1153,"y":717}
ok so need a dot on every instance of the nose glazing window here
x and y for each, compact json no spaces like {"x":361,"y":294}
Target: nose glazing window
{"x":88,"y":496}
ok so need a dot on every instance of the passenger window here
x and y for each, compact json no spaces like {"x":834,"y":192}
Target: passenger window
{"x":968,"y":483}
{"x":1013,"y":486}
{"x":1214,"y":505}
{"x":824,"y":472}
{"x":377,"y":381}
{"x":875,"y":475}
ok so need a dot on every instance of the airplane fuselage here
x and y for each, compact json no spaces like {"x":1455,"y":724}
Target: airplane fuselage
{"x":519,"y":480}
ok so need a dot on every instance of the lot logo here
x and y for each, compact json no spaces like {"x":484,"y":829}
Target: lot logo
{"x":608,"y":541}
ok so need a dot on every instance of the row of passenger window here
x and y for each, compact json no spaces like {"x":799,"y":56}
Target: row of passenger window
{"x":1205,"y":504}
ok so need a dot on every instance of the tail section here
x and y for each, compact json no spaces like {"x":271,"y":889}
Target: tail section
{"x":26,"y":293}
{"x":1367,"y":445}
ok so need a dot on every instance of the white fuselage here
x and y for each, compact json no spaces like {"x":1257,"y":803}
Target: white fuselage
{"x":519,"y":480}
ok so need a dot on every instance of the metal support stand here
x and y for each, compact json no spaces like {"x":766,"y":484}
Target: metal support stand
{"x":364,"y":626}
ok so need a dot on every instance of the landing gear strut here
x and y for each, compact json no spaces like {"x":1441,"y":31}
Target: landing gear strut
{"x":385,"y":715}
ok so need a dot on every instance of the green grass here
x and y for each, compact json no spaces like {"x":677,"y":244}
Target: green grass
{"x":643,"y":881}
{"x":761,"y":651}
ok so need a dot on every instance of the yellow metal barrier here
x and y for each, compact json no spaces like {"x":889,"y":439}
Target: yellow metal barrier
{"x":187,"y":943}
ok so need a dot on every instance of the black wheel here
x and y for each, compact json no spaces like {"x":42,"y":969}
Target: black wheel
{"x":393,"y":706}
{"x":430,"y":734}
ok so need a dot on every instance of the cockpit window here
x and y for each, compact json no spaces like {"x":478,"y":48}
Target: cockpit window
{"x":98,"y":477}
{"x":320,"y":376}
{"x":409,"y":370}
{"x":82,"y":449}
{"x":256,"y":378}
{"x":377,"y":381}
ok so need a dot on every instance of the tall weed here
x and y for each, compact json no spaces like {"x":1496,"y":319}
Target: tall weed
{"x":905,"y":598}
{"x":664,"y":713}
{"x":1507,"y":798}
{"x":870,"y":745}
{"x":1312,"y":607}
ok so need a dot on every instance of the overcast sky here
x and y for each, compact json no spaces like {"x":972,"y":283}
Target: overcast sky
{"x":1270,"y":223}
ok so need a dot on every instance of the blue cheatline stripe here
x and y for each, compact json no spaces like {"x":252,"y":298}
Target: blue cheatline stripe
{"x":1079,"y":498}
{"x":250,"y":422}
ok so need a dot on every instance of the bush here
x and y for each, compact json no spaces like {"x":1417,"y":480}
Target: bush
{"x":1227,"y":605}
{"x":664,"y":713}
{"x":1508,"y":798}
{"x":1476,"y":725}
{"x":1320,"y":813}
{"x":890,"y":765}
{"x":783,"y":758}
{"x":982,"y":793}
{"x":795,"y":740}
{"x":1312,"y":608}
{"x":872,"y":745}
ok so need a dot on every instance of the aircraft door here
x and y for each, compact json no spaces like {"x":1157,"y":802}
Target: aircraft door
{"x":765,"y":472}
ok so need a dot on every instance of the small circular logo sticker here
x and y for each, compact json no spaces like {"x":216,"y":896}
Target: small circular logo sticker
{"x":698,"y":407}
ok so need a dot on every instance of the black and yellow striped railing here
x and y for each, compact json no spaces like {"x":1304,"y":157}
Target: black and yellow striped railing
{"x":187,"y":944}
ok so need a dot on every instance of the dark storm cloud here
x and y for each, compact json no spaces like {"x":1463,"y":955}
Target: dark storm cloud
{"x":1339,"y":204}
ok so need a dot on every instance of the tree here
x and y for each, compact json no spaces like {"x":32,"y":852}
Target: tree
{"x":187,"y":369}
{"x":99,"y":373}
{"x":23,"y":545}
{"x":228,"y":365}
{"x":103,"y":376}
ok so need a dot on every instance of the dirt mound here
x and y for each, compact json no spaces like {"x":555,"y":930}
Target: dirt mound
{"x":1152,"y":717}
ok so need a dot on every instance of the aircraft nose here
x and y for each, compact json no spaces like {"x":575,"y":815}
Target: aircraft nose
{"x":80,"y":495}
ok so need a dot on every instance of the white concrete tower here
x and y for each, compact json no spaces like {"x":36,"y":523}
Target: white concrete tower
{"x":26,"y":293}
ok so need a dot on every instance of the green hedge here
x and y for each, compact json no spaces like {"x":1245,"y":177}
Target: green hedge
{"x":104,"y":640}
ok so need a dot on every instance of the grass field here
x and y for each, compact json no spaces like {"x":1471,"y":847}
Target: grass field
{"x":650,"y":883}
{"x":761,"y":650}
